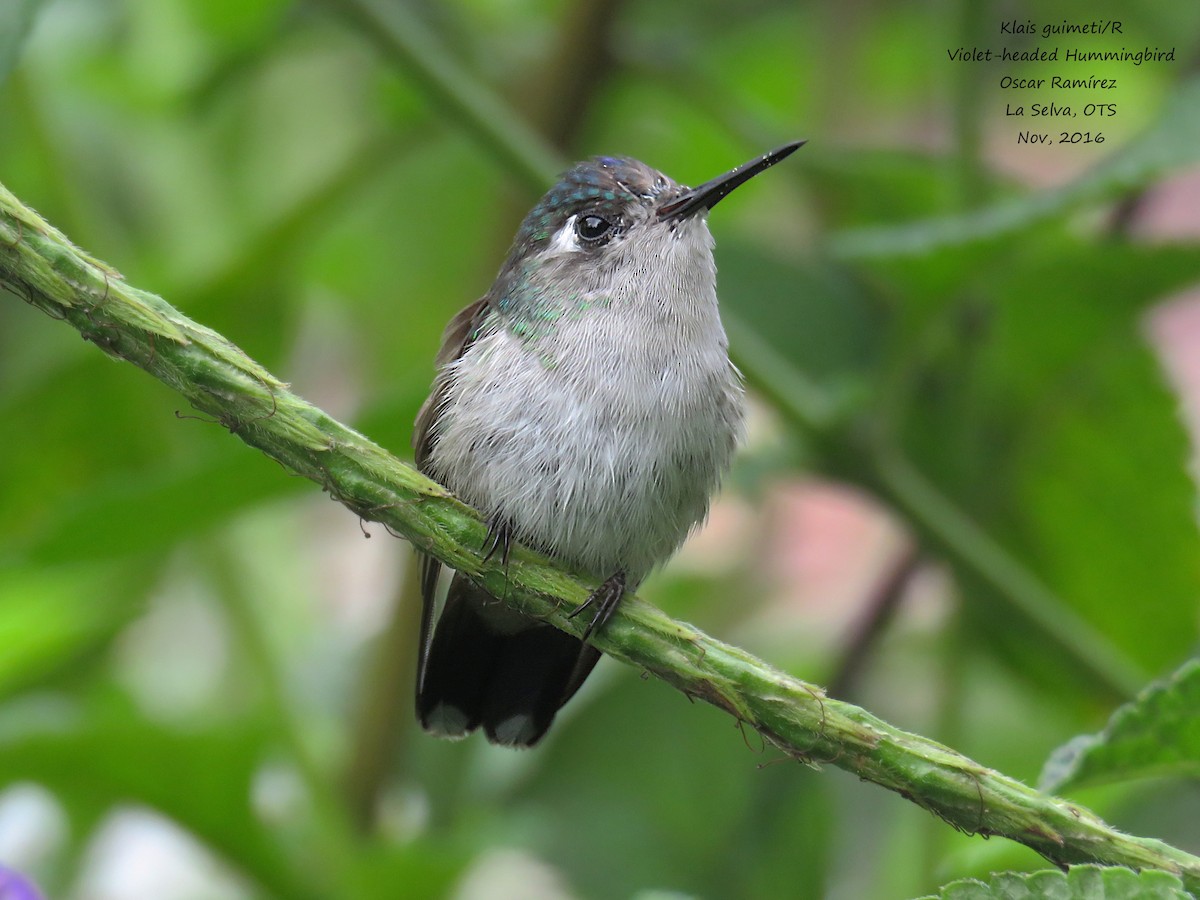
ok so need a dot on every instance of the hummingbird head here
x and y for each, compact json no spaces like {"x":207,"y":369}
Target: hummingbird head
{"x":612,"y":230}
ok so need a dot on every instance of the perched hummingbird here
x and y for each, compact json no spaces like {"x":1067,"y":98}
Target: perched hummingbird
{"x":586,"y":407}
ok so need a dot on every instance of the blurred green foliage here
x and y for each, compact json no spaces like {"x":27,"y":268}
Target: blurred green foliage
{"x":1157,"y":734}
{"x":1081,"y":883}
{"x":189,"y":630}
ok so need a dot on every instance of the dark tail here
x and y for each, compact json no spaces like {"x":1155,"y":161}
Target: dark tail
{"x":485,"y":664}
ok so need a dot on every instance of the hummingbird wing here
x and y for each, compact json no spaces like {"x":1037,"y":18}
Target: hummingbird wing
{"x":483,"y":664}
{"x":455,"y":340}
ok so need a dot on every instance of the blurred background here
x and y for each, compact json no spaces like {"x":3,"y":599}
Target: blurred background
{"x":966,"y":503}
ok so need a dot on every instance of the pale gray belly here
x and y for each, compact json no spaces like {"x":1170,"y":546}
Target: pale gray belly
{"x":605,"y":470}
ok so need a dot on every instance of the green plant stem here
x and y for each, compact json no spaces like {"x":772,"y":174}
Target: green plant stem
{"x":388,"y":681}
{"x":336,"y":841}
{"x":880,"y":610}
{"x":579,"y":65}
{"x":968,"y":88}
{"x":405,"y":41}
{"x":39,"y":264}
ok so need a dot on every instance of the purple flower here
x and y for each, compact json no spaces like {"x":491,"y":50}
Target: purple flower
{"x":15,"y":886}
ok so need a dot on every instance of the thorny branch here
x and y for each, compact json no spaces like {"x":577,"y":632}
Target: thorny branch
{"x":41,"y":266}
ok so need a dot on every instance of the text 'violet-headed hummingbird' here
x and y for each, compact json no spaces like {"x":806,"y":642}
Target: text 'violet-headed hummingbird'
{"x":587,"y":408}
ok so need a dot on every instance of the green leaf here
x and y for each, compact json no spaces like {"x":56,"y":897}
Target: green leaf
{"x":1040,"y":409}
{"x":1080,"y":883}
{"x":1108,"y":505}
{"x":1100,"y":498}
{"x":1156,"y":734}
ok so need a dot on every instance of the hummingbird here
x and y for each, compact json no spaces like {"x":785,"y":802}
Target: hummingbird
{"x":586,"y":406}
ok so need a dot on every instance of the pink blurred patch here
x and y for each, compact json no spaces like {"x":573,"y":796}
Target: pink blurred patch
{"x":827,"y":548}
{"x":1174,"y":329}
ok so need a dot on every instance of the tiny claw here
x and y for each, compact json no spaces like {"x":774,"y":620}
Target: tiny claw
{"x":606,"y":598}
{"x":499,"y":537}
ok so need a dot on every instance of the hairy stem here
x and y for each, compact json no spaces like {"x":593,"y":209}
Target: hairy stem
{"x":40,"y":264}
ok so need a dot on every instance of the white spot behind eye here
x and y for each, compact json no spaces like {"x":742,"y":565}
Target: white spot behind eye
{"x":565,"y":240}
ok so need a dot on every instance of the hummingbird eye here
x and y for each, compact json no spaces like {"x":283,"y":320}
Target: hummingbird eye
{"x":592,"y":228}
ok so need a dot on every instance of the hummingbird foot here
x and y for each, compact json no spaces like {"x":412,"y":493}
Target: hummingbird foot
{"x":499,"y":538}
{"x":605,"y":599}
